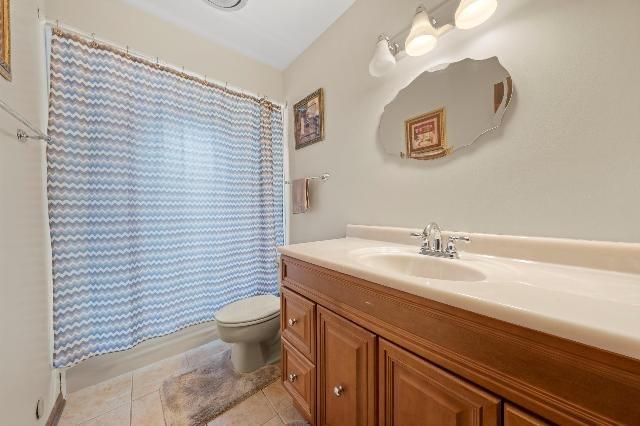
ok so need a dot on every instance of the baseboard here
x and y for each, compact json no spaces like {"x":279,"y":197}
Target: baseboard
{"x":107,"y":366}
{"x":56,"y":411}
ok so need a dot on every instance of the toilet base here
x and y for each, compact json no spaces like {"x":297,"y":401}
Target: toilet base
{"x":249,"y":356}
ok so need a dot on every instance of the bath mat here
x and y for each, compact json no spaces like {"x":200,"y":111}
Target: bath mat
{"x":197,"y":397}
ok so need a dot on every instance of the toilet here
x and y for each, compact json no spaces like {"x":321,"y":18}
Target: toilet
{"x":252,"y":326}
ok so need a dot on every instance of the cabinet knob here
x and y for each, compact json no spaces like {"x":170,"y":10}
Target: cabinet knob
{"x":292,"y":377}
{"x":292,"y":322}
{"x":338,"y":391}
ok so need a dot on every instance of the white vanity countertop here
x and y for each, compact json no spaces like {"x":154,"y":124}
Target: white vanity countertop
{"x":597,"y":307}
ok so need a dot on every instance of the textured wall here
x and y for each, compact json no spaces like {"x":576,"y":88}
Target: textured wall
{"x":25,"y":314}
{"x":564,"y":164}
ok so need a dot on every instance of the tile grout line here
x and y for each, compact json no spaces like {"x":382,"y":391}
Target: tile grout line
{"x":143,"y":395}
{"x":102,"y":414}
{"x":274,"y":408}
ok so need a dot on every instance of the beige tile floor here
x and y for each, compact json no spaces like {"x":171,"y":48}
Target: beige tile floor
{"x":133,"y":399}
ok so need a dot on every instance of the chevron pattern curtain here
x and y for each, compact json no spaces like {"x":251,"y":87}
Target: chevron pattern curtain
{"x":165,"y":199}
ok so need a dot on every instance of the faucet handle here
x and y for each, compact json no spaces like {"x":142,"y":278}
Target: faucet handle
{"x":451,"y":244}
{"x":465,"y":238}
{"x":426,"y":245}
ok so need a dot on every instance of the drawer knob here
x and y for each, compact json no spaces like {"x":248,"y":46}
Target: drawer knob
{"x":292,"y":377}
{"x":292,"y":322}
{"x":338,"y":391}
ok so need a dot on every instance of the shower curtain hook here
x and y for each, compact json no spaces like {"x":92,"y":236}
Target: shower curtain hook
{"x":93,"y":40}
{"x":157,"y":62}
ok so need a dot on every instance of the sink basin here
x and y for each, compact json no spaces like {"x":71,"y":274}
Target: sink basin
{"x":418,"y":265}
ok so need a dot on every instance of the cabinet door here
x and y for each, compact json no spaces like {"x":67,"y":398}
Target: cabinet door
{"x":346,"y":363}
{"x":413,"y":391}
{"x":514,"y":416}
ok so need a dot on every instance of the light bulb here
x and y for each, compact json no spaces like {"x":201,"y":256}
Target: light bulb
{"x":423,"y":37}
{"x":383,"y":60}
{"x":471,"y":13}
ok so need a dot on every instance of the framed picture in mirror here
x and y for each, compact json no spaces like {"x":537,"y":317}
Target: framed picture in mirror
{"x":309,"y":119}
{"x":5,"y":40}
{"x":425,"y":135}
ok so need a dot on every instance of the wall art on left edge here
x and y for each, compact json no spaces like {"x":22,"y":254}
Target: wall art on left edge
{"x":5,"y":40}
{"x":309,"y":119}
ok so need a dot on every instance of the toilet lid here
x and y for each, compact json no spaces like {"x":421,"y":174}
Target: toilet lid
{"x":249,"y":310}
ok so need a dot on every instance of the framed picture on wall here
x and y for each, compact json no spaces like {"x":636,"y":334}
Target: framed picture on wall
{"x":425,"y":136}
{"x":5,"y":40}
{"x":309,"y":119}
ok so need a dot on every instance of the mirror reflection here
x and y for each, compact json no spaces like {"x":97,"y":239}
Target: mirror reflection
{"x":446,"y":109}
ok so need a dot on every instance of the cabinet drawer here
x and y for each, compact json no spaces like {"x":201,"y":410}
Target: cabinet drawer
{"x":298,"y":323}
{"x":514,"y":416}
{"x":346,"y":371}
{"x":299,"y":379}
{"x":411,"y":388}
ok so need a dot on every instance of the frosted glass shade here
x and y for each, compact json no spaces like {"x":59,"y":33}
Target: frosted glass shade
{"x":423,"y":37}
{"x":471,"y":13}
{"x":383,"y":60}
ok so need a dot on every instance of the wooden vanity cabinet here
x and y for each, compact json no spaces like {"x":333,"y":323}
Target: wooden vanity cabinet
{"x":366,"y":354}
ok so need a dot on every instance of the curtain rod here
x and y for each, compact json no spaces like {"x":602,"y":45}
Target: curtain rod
{"x":136,"y":56}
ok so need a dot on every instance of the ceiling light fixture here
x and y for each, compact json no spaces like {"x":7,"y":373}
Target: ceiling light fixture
{"x":383,"y":59}
{"x":471,"y":13}
{"x":227,"y":4}
{"x":422,"y":38}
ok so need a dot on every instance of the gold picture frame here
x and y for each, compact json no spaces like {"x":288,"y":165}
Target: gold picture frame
{"x":5,"y":40}
{"x":309,"y":119}
{"x":425,"y":136}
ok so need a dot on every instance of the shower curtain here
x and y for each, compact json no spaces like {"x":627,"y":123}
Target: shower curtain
{"x":165,"y":198}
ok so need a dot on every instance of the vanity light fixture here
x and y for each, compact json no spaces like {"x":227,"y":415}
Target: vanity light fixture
{"x":471,"y":13}
{"x":383,"y":59}
{"x":422,"y":38}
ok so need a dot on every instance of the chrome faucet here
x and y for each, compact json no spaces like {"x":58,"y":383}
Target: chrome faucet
{"x":431,"y":237}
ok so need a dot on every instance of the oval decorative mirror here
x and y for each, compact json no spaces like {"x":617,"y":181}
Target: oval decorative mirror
{"x":446,"y":109}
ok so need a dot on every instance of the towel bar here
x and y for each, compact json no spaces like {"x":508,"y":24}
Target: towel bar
{"x":323,"y":177}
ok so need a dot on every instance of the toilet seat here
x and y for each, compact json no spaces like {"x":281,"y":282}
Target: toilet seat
{"x":249,"y":311}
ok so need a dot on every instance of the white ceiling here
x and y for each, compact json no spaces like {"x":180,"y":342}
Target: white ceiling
{"x":271,"y":31}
